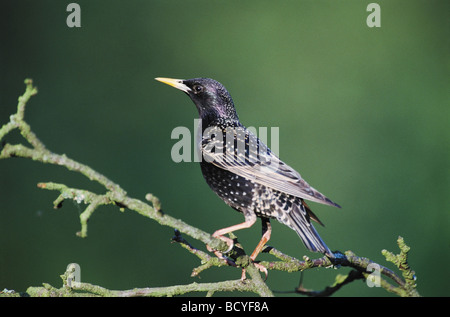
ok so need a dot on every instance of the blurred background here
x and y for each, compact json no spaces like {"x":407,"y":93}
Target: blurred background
{"x":363,"y":115}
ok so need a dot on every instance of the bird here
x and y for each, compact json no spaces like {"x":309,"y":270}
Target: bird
{"x":246,"y":174}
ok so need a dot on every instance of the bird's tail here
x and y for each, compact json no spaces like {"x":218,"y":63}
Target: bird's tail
{"x":299,"y":220}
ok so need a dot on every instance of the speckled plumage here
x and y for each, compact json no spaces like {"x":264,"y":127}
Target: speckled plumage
{"x":245,"y":173}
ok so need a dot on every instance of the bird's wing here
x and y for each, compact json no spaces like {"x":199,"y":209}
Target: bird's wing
{"x":252,"y":159}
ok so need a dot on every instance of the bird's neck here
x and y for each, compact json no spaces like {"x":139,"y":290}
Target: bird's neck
{"x":215,"y":117}
{"x":221,"y":122}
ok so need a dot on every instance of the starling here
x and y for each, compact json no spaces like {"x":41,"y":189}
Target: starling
{"x":245,"y":173}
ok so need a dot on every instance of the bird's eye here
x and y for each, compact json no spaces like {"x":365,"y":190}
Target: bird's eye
{"x":197,"y":89}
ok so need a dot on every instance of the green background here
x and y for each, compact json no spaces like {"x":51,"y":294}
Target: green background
{"x":363,"y":116}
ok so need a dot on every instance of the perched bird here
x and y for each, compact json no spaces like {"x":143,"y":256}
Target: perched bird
{"x":245,"y":173}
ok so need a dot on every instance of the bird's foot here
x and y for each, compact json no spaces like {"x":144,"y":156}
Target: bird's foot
{"x":228,"y":241}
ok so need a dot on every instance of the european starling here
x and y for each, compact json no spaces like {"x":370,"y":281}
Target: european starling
{"x":245,"y":173}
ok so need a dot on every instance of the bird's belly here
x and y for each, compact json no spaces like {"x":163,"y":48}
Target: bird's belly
{"x":234,"y":190}
{"x":244,"y":195}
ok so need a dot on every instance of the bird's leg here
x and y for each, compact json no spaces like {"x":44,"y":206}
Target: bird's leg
{"x":267,"y":230}
{"x":249,"y":221}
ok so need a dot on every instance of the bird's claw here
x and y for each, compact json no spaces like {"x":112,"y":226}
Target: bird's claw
{"x":230,"y":244}
{"x":228,"y":241}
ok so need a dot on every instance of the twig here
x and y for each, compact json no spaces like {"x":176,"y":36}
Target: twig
{"x":340,"y":281}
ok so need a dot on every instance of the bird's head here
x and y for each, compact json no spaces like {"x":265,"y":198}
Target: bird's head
{"x":210,"y":97}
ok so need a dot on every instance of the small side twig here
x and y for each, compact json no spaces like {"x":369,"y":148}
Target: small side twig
{"x":340,"y":281}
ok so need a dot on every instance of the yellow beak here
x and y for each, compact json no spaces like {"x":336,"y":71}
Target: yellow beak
{"x":177,"y":83}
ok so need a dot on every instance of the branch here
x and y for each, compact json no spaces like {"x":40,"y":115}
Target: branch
{"x":237,"y":257}
{"x":90,"y":290}
{"x":115,"y":194}
{"x":361,"y":268}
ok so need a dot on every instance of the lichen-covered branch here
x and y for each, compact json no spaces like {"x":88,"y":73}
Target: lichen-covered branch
{"x":361,"y":268}
{"x":237,"y":257}
{"x":90,"y":290}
